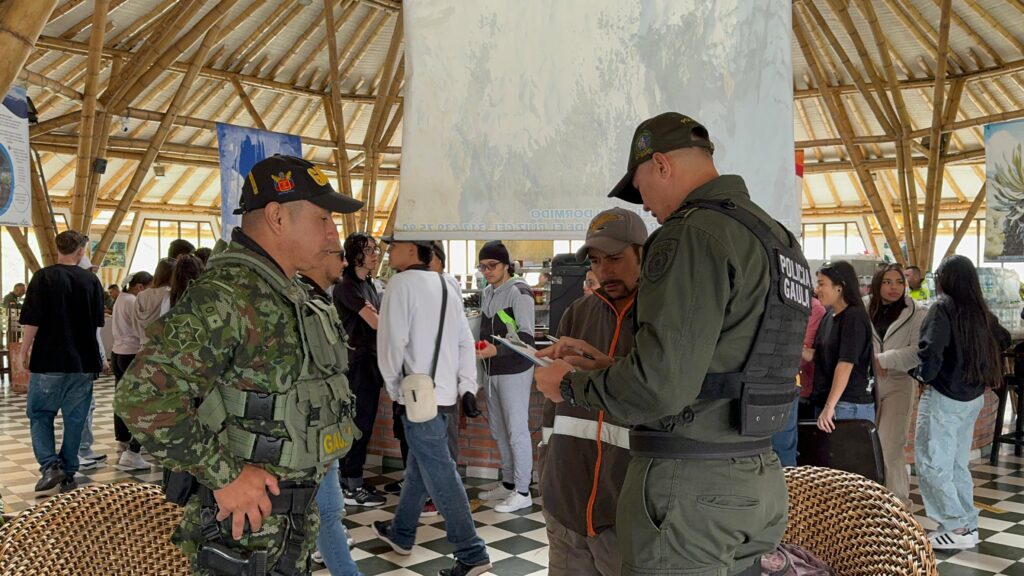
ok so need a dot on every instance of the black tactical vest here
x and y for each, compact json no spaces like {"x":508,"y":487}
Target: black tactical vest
{"x":766,"y":386}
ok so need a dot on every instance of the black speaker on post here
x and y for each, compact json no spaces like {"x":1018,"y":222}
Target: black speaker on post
{"x":567,"y":277}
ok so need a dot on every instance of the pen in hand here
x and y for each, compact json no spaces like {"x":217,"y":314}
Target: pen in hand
{"x":586,"y":355}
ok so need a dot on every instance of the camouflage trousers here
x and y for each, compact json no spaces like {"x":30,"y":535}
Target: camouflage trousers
{"x":272,"y":536}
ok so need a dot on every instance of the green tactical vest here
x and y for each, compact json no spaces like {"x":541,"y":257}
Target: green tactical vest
{"x":317,"y":410}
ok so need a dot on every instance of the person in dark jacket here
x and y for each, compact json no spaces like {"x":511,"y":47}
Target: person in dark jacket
{"x":959,"y":353}
{"x":842,"y":350}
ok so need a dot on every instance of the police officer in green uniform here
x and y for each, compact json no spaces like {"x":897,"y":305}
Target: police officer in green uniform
{"x":242,"y":383}
{"x":721,"y":310}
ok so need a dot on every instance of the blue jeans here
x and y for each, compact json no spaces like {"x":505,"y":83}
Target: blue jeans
{"x":784,"y":442}
{"x":332,"y":541}
{"x":942,"y":447}
{"x":851,"y":411}
{"x":85,"y":447}
{"x":431,"y":472}
{"x":71,"y":394}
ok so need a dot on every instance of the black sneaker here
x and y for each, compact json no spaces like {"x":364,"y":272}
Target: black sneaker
{"x":363,"y":497}
{"x":67,"y":484}
{"x":383,"y":531}
{"x":394,"y":487}
{"x":460,"y":569}
{"x":52,"y":477}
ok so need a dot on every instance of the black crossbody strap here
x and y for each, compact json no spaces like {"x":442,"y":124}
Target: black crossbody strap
{"x":440,"y":327}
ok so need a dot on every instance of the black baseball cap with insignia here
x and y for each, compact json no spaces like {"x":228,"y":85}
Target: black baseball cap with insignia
{"x":282,"y":179}
{"x":663,"y":133}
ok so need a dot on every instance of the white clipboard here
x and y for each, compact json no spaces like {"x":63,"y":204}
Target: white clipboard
{"x":524,"y":350}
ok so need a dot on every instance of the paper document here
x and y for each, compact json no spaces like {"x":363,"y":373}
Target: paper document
{"x":524,"y":350}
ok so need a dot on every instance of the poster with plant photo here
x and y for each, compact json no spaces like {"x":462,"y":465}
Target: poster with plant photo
{"x":1004,"y":170}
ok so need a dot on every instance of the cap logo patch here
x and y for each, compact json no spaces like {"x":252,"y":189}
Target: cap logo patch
{"x":601,"y":221}
{"x":642,"y":147}
{"x":318,"y":176}
{"x":283,"y":181}
{"x":252,"y":181}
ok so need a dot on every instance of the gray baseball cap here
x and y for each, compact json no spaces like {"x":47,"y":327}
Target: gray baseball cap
{"x":612,"y":231}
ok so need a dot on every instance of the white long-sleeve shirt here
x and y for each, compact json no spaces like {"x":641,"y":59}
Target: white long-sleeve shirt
{"x":126,"y":337}
{"x":407,"y":332}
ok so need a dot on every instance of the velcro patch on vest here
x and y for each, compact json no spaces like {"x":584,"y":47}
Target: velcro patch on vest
{"x":795,"y":287}
{"x":659,"y":258}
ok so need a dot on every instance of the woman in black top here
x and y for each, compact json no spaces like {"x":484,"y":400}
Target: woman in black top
{"x":959,"y":353}
{"x":842,"y":350}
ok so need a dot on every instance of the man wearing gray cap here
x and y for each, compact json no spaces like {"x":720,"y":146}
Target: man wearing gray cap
{"x":721,"y":312}
{"x":589,"y":452}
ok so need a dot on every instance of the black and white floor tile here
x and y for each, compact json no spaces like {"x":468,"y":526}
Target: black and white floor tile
{"x":517,"y":543}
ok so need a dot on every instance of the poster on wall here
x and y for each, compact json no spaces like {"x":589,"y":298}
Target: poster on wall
{"x":15,"y":186}
{"x":1004,"y":173}
{"x":115,"y":257}
{"x":520,"y":115}
{"x":240,"y":148}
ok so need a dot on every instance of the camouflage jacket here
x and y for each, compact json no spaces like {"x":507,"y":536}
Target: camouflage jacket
{"x":230,"y":327}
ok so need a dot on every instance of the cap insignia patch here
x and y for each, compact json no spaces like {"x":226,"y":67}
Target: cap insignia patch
{"x":601,"y":221}
{"x":642,"y":147}
{"x":318,"y":176}
{"x":283,"y":181}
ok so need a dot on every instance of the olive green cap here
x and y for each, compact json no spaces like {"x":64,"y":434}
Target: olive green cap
{"x":663,"y":133}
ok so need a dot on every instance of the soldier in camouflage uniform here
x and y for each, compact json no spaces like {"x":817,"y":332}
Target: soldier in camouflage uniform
{"x":242,"y":383}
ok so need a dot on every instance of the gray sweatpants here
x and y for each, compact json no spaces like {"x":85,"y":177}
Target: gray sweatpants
{"x":508,"y":410}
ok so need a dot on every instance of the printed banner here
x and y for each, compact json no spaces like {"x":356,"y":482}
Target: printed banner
{"x":1004,"y":211}
{"x":15,"y":186}
{"x":241,"y":148}
{"x":519,"y":115}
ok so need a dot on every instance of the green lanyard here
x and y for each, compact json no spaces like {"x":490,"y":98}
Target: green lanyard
{"x":510,"y":322}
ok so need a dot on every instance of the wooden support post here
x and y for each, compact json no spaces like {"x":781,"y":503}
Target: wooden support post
{"x":20,"y":26}
{"x":157,"y":142}
{"x":933,"y":184}
{"x":845,"y":129}
{"x":85,"y":128}
{"x":386,"y":94}
{"x":46,"y":228}
{"x":18,"y":235}
{"x":337,"y":116}
{"x":965,"y":224}
{"x":248,"y":104}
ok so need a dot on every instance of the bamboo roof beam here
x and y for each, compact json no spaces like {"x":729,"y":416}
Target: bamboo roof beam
{"x":248,"y":104}
{"x":287,"y":56}
{"x":348,"y":8}
{"x":210,"y":178}
{"x":334,"y":104}
{"x":973,"y":35}
{"x":370,"y":40}
{"x":86,"y":125}
{"x":249,"y":40}
{"x":52,"y":85}
{"x":85,"y":23}
{"x":195,"y":32}
{"x":850,"y":68}
{"x":965,"y":224}
{"x":21,"y":241}
{"x":20,"y":26}
{"x":854,"y":211}
{"x":116,"y":181}
{"x":967,"y":157}
{"x":996,"y":24}
{"x":142,"y":25}
{"x":835,"y":78}
{"x":212,"y":32}
{"x":346,"y":51}
{"x":846,"y":133}
{"x":386,"y":95}
{"x":913,"y":19}
{"x":60,"y":175}
{"x":46,"y":230}
{"x":64,"y":8}
{"x":286,"y":16}
{"x":73,"y":47}
{"x":933,"y":185}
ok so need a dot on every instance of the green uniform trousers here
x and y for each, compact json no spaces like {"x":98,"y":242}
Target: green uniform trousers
{"x":700,"y":517}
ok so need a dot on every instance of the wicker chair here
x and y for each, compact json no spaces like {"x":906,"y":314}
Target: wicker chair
{"x":855,"y":525}
{"x":102,"y":529}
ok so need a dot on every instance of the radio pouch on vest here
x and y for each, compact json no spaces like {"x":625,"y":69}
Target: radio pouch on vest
{"x":766,"y":386}
{"x":418,"y":389}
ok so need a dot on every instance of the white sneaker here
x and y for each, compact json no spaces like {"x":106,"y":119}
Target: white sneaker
{"x":318,"y":557}
{"x":122,"y":447}
{"x":86,"y":464}
{"x":499,"y":493}
{"x":953,"y":541}
{"x":132,"y":461}
{"x":515,"y":501}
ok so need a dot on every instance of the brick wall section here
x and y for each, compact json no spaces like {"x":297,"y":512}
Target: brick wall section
{"x":983,"y":428}
{"x":476,"y":447}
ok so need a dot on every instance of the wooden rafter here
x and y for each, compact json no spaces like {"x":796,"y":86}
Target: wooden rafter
{"x":21,"y":241}
{"x":86,"y":125}
{"x":965,"y":224}
{"x":933,"y":185}
{"x":347,"y":10}
{"x":248,"y":104}
{"x":846,"y":133}
{"x":334,"y":104}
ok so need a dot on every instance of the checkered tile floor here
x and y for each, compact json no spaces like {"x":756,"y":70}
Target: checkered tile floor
{"x":517,"y":542}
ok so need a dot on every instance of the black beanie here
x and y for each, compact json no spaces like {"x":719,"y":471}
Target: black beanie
{"x":495,"y":250}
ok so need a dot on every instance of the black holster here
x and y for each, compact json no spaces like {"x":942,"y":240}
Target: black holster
{"x":179,"y":487}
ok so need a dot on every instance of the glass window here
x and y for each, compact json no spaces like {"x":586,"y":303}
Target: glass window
{"x":854,"y":241}
{"x":813,"y":241}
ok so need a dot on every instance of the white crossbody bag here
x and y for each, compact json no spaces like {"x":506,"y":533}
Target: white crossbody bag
{"x":418,"y":389}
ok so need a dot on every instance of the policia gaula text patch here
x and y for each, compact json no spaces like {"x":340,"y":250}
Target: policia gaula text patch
{"x":794,"y":282}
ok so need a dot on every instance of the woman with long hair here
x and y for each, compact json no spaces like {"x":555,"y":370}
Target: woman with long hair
{"x":842,"y":350}
{"x":896,"y":329}
{"x":153,"y":302}
{"x":187,"y":268}
{"x":960,"y":357}
{"x":507,"y":309}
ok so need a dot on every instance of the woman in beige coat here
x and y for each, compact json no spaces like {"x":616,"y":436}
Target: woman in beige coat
{"x":896,"y":325}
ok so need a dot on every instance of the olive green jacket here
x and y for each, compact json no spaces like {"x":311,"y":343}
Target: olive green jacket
{"x":702,"y":293}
